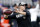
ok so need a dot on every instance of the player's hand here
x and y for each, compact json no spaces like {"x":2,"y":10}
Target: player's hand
{"x":5,"y":16}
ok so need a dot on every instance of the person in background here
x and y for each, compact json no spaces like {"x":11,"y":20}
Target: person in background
{"x":29,"y":6}
{"x":33,"y":6}
{"x":1,"y":11}
{"x":38,"y":16}
{"x":14,"y":7}
{"x":34,"y":12}
{"x":13,"y":21}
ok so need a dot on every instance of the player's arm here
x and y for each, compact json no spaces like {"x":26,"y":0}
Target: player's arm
{"x":24,"y":13}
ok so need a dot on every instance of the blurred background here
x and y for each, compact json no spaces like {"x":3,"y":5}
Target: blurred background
{"x":7,"y":4}
{"x":11,"y":2}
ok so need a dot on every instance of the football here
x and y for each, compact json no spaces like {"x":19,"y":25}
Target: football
{"x":7,"y":12}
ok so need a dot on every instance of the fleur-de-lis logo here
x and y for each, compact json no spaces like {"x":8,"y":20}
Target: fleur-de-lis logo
{"x":12,"y":23}
{"x":24,"y":17}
